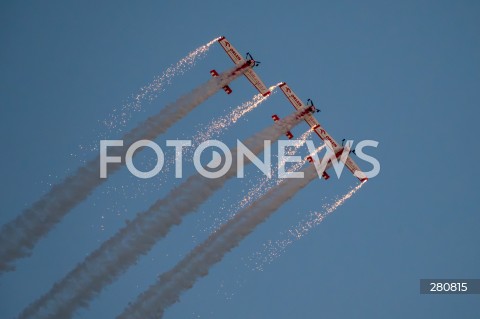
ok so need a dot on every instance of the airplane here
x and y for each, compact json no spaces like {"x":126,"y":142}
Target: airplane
{"x":306,"y":110}
{"x":321,"y":132}
{"x":240,"y":61}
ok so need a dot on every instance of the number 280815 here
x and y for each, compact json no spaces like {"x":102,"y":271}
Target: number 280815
{"x":448,"y":286}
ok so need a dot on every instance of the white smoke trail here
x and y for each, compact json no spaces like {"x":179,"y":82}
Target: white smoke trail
{"x":266,"y":183}
{"x":116,"y":122}
{"x":220,"y":124}
{"x":18,"y":237}
{"x":166,"y":291}
{"x":151,"y":91}
{"x":119,"y":252}
{"x":273,"y":249}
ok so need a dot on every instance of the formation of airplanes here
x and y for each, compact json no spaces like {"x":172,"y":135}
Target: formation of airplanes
{"x":307,"y":111}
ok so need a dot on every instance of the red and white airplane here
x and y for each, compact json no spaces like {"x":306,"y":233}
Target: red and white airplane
{"x":240,"y":61}
{"x":321,"y":132}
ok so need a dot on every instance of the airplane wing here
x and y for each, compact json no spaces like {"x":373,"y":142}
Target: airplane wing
{"x":353,"y":167}
{"x":238,"y":59}
{"x":321,"y":132}
{"x":231,"y":51}
{"x":291,"y":96}
{"x":255,"y":80}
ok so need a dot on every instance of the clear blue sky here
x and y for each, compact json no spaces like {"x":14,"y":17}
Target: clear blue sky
{"x":405,"y":74}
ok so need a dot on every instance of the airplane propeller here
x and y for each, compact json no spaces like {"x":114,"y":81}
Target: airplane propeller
{"x":249,"y":57}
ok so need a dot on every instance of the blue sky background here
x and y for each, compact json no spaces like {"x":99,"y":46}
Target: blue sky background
{"x":405,"y":74}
